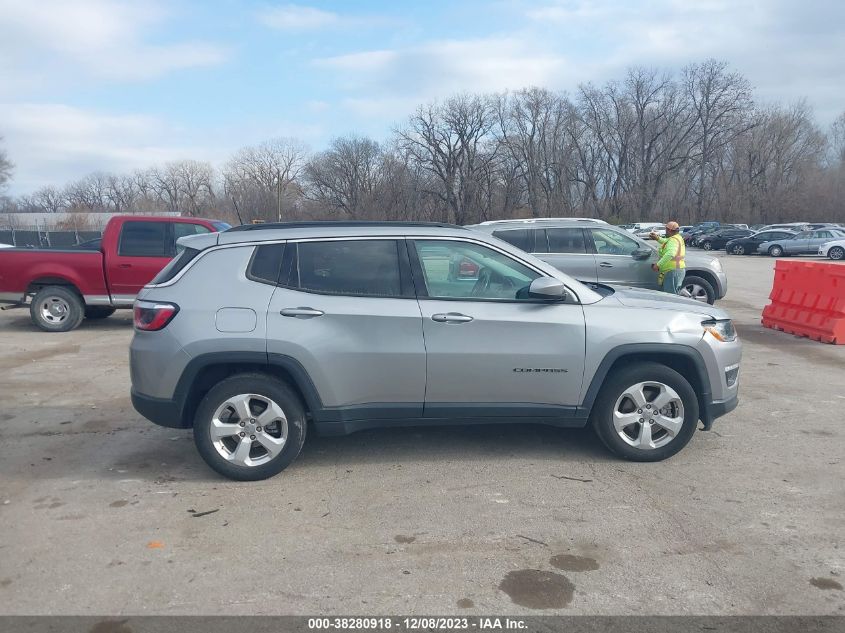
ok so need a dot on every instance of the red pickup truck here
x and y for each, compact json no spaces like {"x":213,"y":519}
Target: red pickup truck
{"x":95,"y":278}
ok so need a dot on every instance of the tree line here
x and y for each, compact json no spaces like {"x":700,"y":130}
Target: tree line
{"x":690,"y":145}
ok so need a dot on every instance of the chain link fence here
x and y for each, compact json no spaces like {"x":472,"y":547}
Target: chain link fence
{"x":37,"y":238}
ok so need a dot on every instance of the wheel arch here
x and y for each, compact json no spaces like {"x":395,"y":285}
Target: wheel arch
{"x":206,"y":370}
{"x":38,"y":283}
{"x":684,"y":359}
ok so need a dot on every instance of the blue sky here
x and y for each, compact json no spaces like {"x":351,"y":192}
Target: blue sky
{"x":107,"y":85}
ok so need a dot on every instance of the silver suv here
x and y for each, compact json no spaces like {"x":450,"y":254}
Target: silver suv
{"x":253,"y":335}
{"x":594,"y":251}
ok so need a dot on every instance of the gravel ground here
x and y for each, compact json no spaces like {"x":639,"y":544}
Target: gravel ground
{"x":102,"y":512}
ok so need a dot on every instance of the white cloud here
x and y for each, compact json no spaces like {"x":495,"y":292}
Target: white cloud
{"x":439,"y":68}
{"x":102,"y":38}
{"x":54,"y":143}
{"x":292,"y":17}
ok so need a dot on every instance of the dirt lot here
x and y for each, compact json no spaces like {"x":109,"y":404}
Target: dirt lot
{"x":103,"y":513}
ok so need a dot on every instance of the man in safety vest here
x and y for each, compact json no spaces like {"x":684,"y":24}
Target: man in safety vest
{"x":671,"y":265}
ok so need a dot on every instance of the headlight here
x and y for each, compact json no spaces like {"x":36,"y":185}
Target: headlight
{"x":721,"y":329}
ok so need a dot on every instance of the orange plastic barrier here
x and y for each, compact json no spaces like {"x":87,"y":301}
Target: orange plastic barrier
{"x":808,"y":299}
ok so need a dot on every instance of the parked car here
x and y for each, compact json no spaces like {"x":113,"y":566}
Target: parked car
{"x":91,"y":281}
{"x":834,"y":249}
{"x":299,"y":311}
{"x":804,"y":243}
{"x":693,"y":237}
{"x":606,"y":254}
{"x":717,"y":239}
{"x":748,"y":245}
{"x":792,"y":226}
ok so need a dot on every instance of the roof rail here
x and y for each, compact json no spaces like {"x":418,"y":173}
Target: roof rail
{"x":338,"y":223}
{"x":540,"y":220}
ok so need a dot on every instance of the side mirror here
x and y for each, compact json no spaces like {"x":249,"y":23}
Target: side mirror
{"x":547,"y":288}
{"x":641,"y":253}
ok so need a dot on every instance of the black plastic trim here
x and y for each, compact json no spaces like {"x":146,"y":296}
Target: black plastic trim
{"x":340,"y":224}
{"x":160,"y":411}
{"x":635,"y":349}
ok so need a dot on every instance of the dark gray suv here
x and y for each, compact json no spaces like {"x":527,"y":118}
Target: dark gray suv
{"x":254,"y":336}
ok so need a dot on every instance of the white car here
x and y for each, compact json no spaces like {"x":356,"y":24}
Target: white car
{"x":835,"y":249}
{"x":6,"y":246}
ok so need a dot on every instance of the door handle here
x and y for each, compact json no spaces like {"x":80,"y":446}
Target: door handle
{"x":606,"y":265}
{"x":451,"y":317}
{"x":124,"y":265}
{"x":301,"y":312}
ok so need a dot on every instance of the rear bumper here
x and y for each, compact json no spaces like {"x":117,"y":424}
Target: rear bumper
{"x":713,"y":410}
{"x":158,"y":410}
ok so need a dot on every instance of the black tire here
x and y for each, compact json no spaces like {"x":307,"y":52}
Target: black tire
{"x":97,"y":312}
{"x":68,"y":305}
{"x":690,"y":280}
{"x":707,"y":245}
{"x":837,"y":253}
{"x":260,"y":385}
{"x":775,"y":251}
{"x":615,"y":385}
{"x":737,"y":249}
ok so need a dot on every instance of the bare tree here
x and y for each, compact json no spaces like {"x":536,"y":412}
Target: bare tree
{"x":5,"y":169}
{"x":49,"y":199}
{"x":453,"y":142}
{"x":346,"y":176}
{"x":721,"y":102}
{"x":272,"y":167}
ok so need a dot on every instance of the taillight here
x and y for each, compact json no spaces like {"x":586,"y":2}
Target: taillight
{"x":153,"y":315}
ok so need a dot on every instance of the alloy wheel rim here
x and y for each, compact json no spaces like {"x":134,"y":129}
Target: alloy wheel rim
{"x":836,"y":253}
{"x":55,"y":310}
{"x":249,"y":430}
{"x":738,"y":250}
{"x":648,"y":415}
{"x":695,"y":291}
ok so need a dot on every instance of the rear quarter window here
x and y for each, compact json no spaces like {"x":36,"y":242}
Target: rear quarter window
{"x":175,"y":266}
{"x":265,"y":264}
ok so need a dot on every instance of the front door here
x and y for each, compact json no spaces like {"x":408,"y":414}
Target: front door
{"x":615,"y":261}
{"x":346,"y":310}
{"x":491,"y":350}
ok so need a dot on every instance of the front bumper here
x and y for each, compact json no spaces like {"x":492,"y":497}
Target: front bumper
{"x":160,"y":411}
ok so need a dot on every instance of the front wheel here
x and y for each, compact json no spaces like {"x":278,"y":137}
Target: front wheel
{"x":707,"y":246}
{"x":250,"y":427}
{"x":699,"y":289}
{"x":56,"y":309}
{"x":645,"y":412}
{"x":737,"y":249}
{"x":837,"y":253}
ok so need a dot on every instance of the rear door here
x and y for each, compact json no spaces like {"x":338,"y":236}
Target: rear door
{"x":346,"y":310}
{"x":818,"y":238}
{"x":567,"y":251}
{"x":615,"y":263}
{"x":491,"y":350}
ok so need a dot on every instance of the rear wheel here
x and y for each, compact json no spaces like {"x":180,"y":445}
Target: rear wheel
{"x":56,"y":309}
{"x":836,"y":252}
{"x":645,"y":412}
{"x":250,"y":427}
{"x":775,"y":251}
{"x":707,"y":245}
{"x":699,"y":289}
{"x":737,"y":249}
{"x":97,"y":312}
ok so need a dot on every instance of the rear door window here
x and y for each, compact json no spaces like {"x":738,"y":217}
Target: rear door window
{"x":144,"y":239}
{"x":350,"y":267}
{"x":566,"y":240}
{"x":521,"y":238}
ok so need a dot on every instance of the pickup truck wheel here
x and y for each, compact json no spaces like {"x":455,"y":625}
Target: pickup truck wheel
{"x":250,"y":427}
{"x":97,"y":312}
{"x":699,"y":289}
{"x":645,"y":412}
{"x":56,"y":309}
